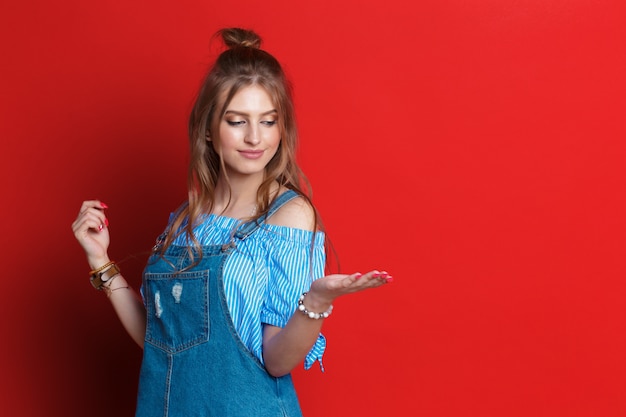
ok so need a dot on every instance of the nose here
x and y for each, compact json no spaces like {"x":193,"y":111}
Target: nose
{"x":253,"y":136}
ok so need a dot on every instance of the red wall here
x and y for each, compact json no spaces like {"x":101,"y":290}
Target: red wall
{"x":473,"y":149}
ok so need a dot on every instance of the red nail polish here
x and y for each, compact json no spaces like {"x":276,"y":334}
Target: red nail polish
{"x":358,"y":275}
{"x":106,"y":222}
{"x":103,"y":205}
{"x":100,"y":227}
{"x":389,"y":279}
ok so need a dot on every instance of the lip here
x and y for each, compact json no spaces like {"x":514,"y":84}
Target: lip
{"x":251,"y":153}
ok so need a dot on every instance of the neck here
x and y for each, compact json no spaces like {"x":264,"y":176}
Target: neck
{"x":237,"y":198}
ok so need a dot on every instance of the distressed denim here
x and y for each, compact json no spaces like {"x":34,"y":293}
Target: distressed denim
{"x":194,"y":363}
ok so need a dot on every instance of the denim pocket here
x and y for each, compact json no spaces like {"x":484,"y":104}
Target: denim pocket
{"x":177,"y":306}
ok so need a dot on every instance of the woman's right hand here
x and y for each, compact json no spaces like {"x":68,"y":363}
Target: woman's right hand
{"x":91,"y":231}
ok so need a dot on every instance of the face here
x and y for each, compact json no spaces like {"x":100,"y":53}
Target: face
{"x":249,"y":133}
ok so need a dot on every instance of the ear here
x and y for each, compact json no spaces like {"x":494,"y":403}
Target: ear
{"x":208,"y":135}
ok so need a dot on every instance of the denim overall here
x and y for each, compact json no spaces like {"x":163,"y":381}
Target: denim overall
{"x":194,"y":363}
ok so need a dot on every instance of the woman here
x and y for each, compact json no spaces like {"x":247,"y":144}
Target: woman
{"x":233,"y":296}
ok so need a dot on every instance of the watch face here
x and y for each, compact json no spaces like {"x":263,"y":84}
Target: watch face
{"x":106,"y":275}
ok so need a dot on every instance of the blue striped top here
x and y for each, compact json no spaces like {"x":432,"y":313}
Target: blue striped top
{"x":264,"y":276}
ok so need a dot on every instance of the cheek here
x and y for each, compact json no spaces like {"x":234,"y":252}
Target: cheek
{"x":275,"y":148}
{"x":274,"y":139}
{"x":228,"y":138}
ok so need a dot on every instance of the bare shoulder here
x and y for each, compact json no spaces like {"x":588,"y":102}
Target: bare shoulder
{"x":297,"y":213}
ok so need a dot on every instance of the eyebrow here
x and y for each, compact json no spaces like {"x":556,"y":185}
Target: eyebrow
{"x":239,"y":113}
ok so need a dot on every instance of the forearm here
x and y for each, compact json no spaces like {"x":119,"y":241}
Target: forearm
{"x":284,"y":349}
{"x":126,"y":303}
{"x":129,"y":308}
{"x":91,"y":230}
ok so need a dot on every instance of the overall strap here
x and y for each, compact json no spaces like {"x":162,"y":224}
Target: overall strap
{"x":248,"y":228}
{"x":161,"y":239}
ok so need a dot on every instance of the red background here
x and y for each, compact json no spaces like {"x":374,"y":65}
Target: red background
{"x":474,"y":149}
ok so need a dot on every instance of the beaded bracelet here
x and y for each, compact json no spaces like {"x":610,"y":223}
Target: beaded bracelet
{"x":312,"y":314}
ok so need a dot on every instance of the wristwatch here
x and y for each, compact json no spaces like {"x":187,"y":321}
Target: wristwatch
{"x":100,"y":278}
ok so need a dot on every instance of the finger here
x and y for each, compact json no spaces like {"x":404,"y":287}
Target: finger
{"x":371,"y":275}
{"x":91,"y":219}
{"x":377,"y":278}
{"x":354,"y":277}
{"x":384,"y":277}
{"x":94,"y":207}
{"x":95,"y":204}
{"x":92,"y":214}
{"x":85,"y":226}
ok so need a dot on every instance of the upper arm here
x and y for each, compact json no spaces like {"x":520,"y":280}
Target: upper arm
{"x":294,"y":258}
{"x":296,"y":213}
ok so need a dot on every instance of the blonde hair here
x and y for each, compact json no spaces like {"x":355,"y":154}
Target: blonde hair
{"x":241,"y":64}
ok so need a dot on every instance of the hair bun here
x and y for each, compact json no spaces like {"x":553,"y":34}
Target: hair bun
{"x":237,"y":38}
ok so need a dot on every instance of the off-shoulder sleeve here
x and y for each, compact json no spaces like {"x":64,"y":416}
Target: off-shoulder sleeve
{"x":294,"y":262}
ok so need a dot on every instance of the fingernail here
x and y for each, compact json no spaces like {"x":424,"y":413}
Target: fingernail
{"x":106,"y":222}
{"x":389,"y":279}
{"x":103,"y":205}
{"x":100,"y":227}
{"x":358,"y":275}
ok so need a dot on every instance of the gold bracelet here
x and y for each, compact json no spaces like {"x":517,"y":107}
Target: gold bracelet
{"x":103,"y":267}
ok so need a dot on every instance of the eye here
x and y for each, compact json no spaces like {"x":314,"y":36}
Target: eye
{"x":269,"y":122}
{"x":235,"y":122}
